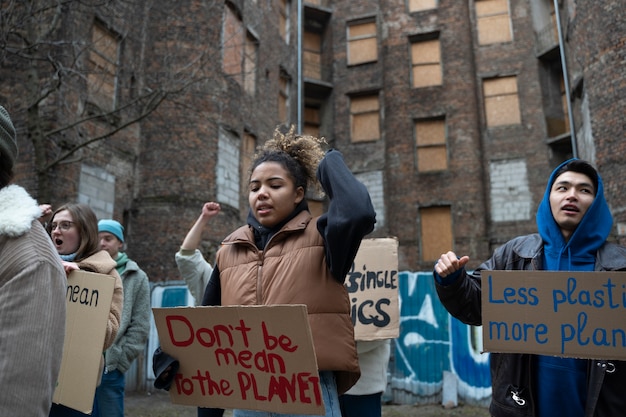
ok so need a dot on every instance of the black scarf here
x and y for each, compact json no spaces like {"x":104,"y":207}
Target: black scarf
{"x":263,"y":234}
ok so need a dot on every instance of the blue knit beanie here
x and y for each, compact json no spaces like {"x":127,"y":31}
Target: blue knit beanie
{"x":113,"y":227}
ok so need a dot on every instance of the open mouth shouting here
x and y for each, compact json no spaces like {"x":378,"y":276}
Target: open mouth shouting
{"x":570,"y":208}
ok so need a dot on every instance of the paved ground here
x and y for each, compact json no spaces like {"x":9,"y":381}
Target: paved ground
{"x":157,"y":404}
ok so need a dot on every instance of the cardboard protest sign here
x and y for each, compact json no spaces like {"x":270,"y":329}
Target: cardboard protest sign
{"x":372,"y":284}
{"x":244,"y":357}
{"x":88,"y":297}
{"x":568,"y":314}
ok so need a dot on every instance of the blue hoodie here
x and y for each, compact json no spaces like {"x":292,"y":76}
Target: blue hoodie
{"x":579,"y":253}
{"x":561,"y":382}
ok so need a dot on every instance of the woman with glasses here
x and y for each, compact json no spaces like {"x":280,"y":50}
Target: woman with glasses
{"x":74,"y":232}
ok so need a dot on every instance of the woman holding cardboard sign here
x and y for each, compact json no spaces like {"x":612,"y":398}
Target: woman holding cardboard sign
{"x":74,"y":232}
{"x":285,"y":256}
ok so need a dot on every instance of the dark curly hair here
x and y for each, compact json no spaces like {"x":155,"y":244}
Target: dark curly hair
{"x":298,"y":154}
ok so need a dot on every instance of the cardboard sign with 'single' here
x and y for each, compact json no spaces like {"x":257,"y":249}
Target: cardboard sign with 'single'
{"x":569,"y":314}
{"x":242,"y":357}
{"x":372,"y":285}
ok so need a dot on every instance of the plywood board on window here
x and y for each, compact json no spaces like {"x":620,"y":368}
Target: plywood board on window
{"x":436,"y":236}
{"x":233,"y":46}
{"x":362,"y":30}
{"x":311,"y":114}
{"x":432,"y":158}
{"x":502,"y":110}
{"x":494,"y":29}
{"x":365,"y":123}
{"x":493,"y":21}
{"x":427,"y":75}
{"x":500,"y":86}
{"x":362,"y":50}
{"x":426,"y":52}
{"x":490,"y":7}
{"x":365,"y":127}
{"x":312,"y":41}
{"x":312,"y":64}
{"x":282,"y":108}
{"x":419,"y":5}
{"x":364,"y":104}
{"x":250,"y":62}
{"x":362,"y":43}
{"x":430,"y":132}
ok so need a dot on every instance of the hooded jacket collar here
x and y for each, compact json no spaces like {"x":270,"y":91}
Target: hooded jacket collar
{"x":579,"y":252}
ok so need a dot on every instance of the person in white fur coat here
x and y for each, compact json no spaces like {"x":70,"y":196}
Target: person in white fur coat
{"x":32,"y":295}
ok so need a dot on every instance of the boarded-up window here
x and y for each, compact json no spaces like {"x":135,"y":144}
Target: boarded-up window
{"x":239,"y":51}
{"x":493,"y":21}
{"x":312,"y":120}
{"x":283,"y":19}
{"x":283,"y":97}
{"x":430,"y":140}
{"x":233,"y":45}
{"x":312,"y":55}
{"x":365,"y":118}
{"x":555,"y":27}
{"x":250,"y":64}
{"x":511,"y":199}
{"x":501,"y":101}
{"x":228,"y":170}
{"x":436,"y":233}
{"x":96,"y":188}
{"x":248,"y":148}
{"x":103,"y":59}
{"x":426,"y":63}
{"x":419,"y":5}
{"x":362,"y":43}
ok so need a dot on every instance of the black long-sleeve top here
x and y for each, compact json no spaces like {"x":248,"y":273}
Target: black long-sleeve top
{"x":349,"y":218}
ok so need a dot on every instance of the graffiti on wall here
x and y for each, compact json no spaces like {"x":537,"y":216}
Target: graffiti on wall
{"x":431,"y":342}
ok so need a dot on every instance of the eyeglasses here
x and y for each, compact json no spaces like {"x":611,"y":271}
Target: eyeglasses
{"x":63,"y":226}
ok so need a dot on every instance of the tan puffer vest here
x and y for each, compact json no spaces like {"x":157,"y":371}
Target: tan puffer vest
{"x":293,"y":270}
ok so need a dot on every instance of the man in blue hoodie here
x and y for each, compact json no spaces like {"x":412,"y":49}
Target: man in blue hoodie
{"x":573,"y":221}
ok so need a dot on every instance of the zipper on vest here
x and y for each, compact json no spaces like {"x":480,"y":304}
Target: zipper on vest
{"x":259,"y":282}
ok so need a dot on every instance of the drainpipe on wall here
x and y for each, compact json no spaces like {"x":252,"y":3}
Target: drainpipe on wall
{"x":299,"y":96}
{"x":566,"y":80}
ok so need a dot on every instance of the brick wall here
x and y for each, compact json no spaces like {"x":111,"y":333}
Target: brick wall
{"x":165,"y":167}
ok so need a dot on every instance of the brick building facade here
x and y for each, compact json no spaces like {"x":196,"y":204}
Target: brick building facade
{"x":452,"y":113}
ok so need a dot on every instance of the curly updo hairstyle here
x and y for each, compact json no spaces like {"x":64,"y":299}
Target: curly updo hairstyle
{"x":298,"y":154}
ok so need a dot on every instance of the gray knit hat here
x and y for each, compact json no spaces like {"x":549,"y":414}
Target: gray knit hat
{"x":8,"y":142}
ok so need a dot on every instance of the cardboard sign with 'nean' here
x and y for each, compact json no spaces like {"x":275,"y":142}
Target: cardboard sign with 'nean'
{"x":568,"y":314}
{"x":88,"y":299}
{"x":372,"y":284}
{"x":243,"y":357}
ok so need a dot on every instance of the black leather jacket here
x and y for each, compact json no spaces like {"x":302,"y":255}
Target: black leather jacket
{"x":511,"y":373}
